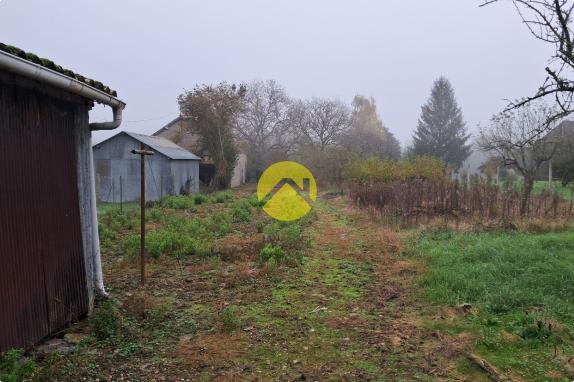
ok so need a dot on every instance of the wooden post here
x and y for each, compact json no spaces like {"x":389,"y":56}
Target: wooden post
{"x":121,"y":195}
{"x":142,"y":153}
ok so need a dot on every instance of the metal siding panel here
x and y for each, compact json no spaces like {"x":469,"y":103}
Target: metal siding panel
{"x":42,"y":277}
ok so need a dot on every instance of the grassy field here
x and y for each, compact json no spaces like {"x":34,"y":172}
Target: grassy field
{"x":233,"y":295}
{"x":517,"y":290}
{"x":542,"y":186}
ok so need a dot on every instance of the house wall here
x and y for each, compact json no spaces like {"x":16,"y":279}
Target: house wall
{"x":239,"y":172}
{"x":43,"y":249}
{"x":178,"y":133}
{"x":118,"y":172}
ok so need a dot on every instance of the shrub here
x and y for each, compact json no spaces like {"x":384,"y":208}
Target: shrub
{"x":218,"y":224}
{"x":117,"y":220}
{"x":154,"y":214}
{"x":285,"y":235}
{"x":292,"y":236}
{"x":105,"y":320}
{"x":223,"y":196}
{"x":14,"y":367}
{"x":240,"y":215}
{"x":271,"y":253}
{"x":229,"y":319}
{"x":199,"y":198}
{"x":241,"y":211}
{"x":255,"y":202}
{"x":179,"y":202}
{"x":374,"y":170}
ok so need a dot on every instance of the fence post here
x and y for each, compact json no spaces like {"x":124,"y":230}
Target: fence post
{"x":121,"y":194}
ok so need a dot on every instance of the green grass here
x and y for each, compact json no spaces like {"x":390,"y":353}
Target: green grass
{"x":105,"y":207}
{"x":541,"y":186}
{"x":14,"y":367}
{"x":522,"y":284}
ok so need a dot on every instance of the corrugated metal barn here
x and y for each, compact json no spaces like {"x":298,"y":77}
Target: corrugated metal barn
{"x":171,"y":171}
{"x":49,"y":248}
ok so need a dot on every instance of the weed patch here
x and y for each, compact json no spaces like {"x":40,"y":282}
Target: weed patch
{"x":199,"y":198}
{"x":178,"y":202}
{"x":14,"y":367}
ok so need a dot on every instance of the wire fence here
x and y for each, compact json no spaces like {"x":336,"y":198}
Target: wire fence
{"x":125,"y":189}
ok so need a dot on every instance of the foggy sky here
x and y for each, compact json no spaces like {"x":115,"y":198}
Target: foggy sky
{"x":393,"y":50}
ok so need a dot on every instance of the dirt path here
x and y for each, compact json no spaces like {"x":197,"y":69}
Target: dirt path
{"x":352,"y":311}
{"x":352,"y":314}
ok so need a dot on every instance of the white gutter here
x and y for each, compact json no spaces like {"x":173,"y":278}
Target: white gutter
{"x":50,"y":77}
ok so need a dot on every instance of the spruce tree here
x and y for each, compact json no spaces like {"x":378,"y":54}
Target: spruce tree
{"x":441,"y":130}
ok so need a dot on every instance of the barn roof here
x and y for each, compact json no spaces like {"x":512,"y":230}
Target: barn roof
{"x":46,"y":63}
{"x":164,"y":146}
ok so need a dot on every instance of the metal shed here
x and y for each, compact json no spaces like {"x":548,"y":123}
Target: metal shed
{"x":171,"y":171}
{"x":49,"y":247}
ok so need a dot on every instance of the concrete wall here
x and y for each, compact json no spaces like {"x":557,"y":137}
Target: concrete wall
{"x":118,"y":172}
{"x":239,"y":172}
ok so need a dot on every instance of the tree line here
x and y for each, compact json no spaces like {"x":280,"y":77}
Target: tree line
{"x":261,"y":120}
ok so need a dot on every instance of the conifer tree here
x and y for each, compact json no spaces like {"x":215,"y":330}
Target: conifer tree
{"x":441,"y":131}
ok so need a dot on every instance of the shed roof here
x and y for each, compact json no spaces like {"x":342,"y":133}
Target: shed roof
{"x":31,"y":57}
{"x":160,"y":145}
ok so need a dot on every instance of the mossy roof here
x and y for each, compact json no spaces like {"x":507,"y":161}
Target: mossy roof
{"x":57,"y":68}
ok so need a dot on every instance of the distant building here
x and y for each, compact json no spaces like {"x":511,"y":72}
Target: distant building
{"x":49,"y":245}
{"x":563,"y":134}
{"x":173,"y":170}
{"x":472,"y":166}
{"x":178,"y":132}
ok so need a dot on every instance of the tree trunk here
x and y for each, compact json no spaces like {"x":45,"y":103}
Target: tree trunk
{"x":527,"y":190}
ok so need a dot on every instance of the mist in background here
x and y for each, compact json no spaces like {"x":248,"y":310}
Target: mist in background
{"x":150,"y":51}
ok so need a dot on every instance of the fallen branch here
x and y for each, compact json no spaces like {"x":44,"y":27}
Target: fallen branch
{"x":489,"y":369}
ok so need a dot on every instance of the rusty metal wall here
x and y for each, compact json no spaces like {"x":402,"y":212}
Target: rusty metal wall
{"x":42,"y":275}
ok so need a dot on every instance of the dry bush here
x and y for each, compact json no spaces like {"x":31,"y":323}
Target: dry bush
{"x":419,"y":200}
{"x":140,"y":304}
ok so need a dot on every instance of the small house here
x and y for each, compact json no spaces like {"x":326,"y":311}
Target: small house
{"x":178,"y":131}
{"x":172,"y":170}
{"x":49,"y":245}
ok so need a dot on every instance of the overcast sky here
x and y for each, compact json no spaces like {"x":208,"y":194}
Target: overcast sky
{"x":393,"y":50}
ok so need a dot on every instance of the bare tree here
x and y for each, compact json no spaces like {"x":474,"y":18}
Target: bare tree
{"x":262,"y":124}
{"x":516,"y":136}
{"x":324,"y":122}
{"x":550,"y":21}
